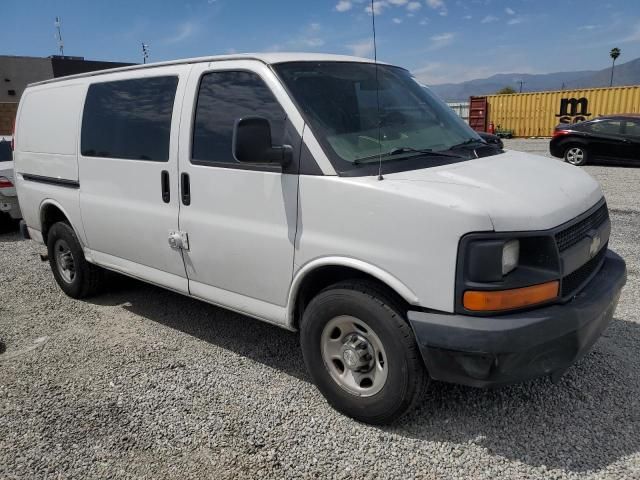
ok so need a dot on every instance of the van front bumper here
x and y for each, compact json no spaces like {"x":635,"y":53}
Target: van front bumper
{"x":511,"y":348}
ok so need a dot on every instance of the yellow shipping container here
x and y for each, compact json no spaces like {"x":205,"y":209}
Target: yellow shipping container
{"x":535,"y":114}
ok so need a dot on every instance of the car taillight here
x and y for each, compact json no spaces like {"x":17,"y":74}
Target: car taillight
{"x":559,"y":133}
{"x":5,"y":183}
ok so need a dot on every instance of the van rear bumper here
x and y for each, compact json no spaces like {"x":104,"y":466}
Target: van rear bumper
{"x":489,"y":351}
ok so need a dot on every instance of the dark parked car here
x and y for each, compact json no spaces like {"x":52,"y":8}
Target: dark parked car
{"x":492,"y":139}
{"x":610,"y":138}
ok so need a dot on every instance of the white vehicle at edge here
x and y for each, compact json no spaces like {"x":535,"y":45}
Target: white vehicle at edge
{"x":252,"y":182}
{"x":9,"y":208}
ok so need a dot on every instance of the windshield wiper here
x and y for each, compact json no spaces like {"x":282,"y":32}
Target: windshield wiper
{"x":400,"y":150}
{"x":469,"y":141}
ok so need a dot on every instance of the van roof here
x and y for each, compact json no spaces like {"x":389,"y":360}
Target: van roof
{"x":266,"y":58}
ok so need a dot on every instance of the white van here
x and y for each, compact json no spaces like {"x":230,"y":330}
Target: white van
{"x":329,"y":195}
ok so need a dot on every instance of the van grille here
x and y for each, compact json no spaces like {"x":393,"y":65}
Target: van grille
{"x":575,"y":280}
{"x":573,"y":234}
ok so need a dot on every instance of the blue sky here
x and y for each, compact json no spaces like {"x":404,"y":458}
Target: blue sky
{"x":439,"y":40}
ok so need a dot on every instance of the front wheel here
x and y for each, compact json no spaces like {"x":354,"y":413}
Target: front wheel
{"x":362,"y":353}
{"x":75,"y":276}
{"x":576,"y":155}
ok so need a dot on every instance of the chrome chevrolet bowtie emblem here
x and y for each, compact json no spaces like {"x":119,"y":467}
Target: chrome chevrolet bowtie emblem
{"x":595,"y":244}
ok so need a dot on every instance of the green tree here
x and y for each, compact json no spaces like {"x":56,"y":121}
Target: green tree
{"x":614,"y":53}
{"x":505,"y":91}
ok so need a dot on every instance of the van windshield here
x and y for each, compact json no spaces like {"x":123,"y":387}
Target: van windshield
{"x":340,"y":102}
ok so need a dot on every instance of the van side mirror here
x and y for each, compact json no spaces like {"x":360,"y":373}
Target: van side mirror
{"x":252,"y":143}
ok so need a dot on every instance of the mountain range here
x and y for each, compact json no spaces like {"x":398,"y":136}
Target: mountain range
{"x":625,"y":74}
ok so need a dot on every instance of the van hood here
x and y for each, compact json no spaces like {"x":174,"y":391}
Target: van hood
{"x":518,"y":191}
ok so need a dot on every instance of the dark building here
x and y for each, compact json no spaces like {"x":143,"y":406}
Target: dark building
{"x":18,"y":72}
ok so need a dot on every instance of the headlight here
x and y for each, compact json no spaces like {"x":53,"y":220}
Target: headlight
{"x":497,"y":272}
{"x":510,"y":256}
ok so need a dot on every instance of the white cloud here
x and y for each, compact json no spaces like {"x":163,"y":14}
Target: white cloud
{"x":489,"y":19}
{"x":467,"y":17}
{"x":397,"y":21}
{"x":363,"y":48}
{"x":435,"y":73}
{"x":343,"y":6}
{"x":438,"y":5}
{"x":413,"y":6}
{"x":634,"y":36}
{"x":515,"y":21}
{"x":442,"y":40}
{"x":310,"y":37}
{"x":378,"y":5}
{"x":424,"y":21}
{"x":509,"y":11}
{"x":398,"y":2}
{"x":185,"y":30}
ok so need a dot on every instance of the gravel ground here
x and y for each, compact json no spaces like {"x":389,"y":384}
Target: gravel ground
{"x":144,"y":383}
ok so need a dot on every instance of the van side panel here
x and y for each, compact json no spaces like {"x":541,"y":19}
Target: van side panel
{"x":46,"y":147}
{"x":47,"y":131}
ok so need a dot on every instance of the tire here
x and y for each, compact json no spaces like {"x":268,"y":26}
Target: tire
{"x":79,"y":278}
{"x":7,"y":224}
{"x":333,"y":322}
{"x":576,"y":155}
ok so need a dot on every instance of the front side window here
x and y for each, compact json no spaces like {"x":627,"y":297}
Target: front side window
{"x":129,"y":119}
{"x":362,"y":115}
{"x":223,"y":99}
{"x":633,"y":128}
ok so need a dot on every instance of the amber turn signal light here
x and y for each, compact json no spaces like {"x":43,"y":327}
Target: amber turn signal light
{"x":493,"y":301}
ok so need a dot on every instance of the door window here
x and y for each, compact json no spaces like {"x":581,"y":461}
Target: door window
{"x":129,"y":119}
{"x":223,"y":99}
{"x":606,"y":127}
{"x":633,"y":128}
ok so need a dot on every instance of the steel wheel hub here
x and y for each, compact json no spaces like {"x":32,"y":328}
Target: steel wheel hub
{"x":357,"y":353}
{"x":354,"y":356}
{"x":64,"y":261}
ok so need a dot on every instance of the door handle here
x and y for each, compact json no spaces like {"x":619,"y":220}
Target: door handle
{"x":164,"y":185}
{"x":186,"y":188}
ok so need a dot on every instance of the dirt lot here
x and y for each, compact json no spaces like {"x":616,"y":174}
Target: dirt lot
{"x":140,"y":382}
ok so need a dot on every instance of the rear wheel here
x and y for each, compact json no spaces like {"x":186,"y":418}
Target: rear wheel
{"x":75,"y":276}
{"x":576,"y":155}
{"x":7,"y":224}
{"x":361,"y":352}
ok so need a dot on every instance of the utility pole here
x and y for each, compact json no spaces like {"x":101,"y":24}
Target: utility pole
{"x":145,"y":52}
{"x":521,"y":82}
{"x":58,"y":24}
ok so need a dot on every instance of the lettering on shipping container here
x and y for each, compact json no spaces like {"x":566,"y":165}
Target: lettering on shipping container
{"x":573,"y":110}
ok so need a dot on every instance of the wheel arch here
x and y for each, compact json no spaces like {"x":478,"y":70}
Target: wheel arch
{"x":320,"y":273}
{"x":51,"y":212}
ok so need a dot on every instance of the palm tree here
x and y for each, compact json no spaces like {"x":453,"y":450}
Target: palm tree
{"x":614,"y":53}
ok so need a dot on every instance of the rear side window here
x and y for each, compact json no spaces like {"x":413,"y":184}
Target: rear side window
{"x":224,"y":98}
{"x":129,"y":119}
